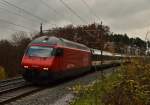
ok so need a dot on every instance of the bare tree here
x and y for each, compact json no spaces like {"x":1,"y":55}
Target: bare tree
{"x":18,"y":37}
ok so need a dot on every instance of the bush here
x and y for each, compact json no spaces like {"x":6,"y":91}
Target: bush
{"x":129,"y":85}
{"x":2,"y":73}
{"x":133,"y":89}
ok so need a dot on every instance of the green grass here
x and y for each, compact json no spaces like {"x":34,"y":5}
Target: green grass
{"x":92,"y":94}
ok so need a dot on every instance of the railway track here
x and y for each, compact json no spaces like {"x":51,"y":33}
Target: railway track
{"x":11,"y":79}
{"x":15,"y":88}
{"x":11,"y":90}
{"x":11,"y":84}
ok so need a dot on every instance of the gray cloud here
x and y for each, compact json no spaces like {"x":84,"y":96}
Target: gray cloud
{"x":123,"y":16}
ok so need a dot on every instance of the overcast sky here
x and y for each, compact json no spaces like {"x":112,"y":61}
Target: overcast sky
{"x":122,"y":16}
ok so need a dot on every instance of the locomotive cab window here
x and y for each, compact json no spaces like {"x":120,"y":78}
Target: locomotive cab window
{"x":39,"y":51}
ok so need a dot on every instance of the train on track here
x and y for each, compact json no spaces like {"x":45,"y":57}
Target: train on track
{"x":51,"y":58}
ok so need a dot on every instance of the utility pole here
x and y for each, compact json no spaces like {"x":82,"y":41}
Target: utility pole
{"x":102,"y":45}
{"x":41,"y":29}
{"x":99,"y":39}
{"x":146,"y":40}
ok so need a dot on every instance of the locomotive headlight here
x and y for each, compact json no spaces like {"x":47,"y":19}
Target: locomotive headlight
{"x":26,"y":67}
{"x":45,"y":68}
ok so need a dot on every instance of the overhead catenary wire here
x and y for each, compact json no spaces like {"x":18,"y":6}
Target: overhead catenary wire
{"x":17,"y":30}
{"x":90,"y":9}
{"x":18,"y":25}
{"x":15,"y":13}
{"x":48,"y":6}
{"x":23,"y":10}
{"x":6,"y":3}
{"x":3,"y":7}
{"x":53,"y":10}
{"x":72,"y":11}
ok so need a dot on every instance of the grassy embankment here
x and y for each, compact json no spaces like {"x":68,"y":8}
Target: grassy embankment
{"x":129,"y":85}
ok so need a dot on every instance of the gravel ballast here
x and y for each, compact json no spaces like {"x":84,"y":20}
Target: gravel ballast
{"x":60,"y":94}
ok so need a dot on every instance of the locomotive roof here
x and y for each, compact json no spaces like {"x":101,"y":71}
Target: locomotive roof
{"x":46,"y":40}
{"x":52,"y":40}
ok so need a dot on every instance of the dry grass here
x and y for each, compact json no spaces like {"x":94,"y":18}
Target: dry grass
{"x":128,"y":86}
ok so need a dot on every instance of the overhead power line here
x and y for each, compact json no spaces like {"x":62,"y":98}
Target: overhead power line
{"x":72,"y":11}
{"x":4,"y":4}
{"x":52,"y":9}
{"x":15,"y":13}
{"x":48,"y":6}
{"x":90,"y":9}
{"x":12,"y":29}
{"x":8,"y":22}
{"x":27,"y":12}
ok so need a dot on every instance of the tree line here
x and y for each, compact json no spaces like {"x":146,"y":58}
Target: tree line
{"x":98,"y":36}
{"x":93,"y":35}
{"x":11,"y":52}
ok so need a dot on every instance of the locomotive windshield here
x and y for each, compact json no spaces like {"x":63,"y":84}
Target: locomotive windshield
{"x":39,"y":51}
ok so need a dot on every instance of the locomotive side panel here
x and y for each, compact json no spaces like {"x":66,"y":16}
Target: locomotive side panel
{"x":75,"y":59}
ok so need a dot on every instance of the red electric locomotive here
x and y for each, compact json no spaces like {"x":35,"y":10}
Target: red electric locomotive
{"x":52,"y":58}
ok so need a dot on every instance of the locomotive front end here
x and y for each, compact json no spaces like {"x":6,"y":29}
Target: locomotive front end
{"x":41,"y":60}
{"x":38,"y":57}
